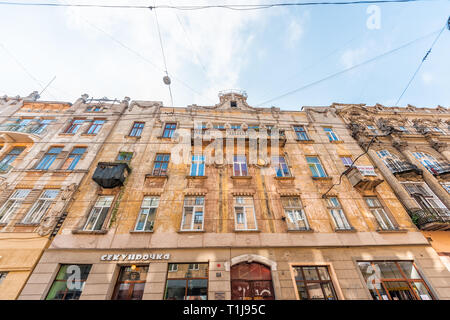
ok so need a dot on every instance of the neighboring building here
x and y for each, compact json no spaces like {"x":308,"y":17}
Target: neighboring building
{"x":224,"y":220}
{"x":47,"y":148}
{"x":411,"y":150}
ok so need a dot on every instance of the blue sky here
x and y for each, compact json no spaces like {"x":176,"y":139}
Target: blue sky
{"x":116,"y":53}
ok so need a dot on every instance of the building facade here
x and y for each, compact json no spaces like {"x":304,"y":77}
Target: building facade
{"x":235,"y":202}
{"x":412,"y":152}
{"x":47,"y":148}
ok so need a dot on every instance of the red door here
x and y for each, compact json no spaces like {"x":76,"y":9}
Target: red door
{"x":251,"y":281}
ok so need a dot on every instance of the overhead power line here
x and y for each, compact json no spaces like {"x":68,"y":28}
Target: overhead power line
{"x":239,"y":7}
{"x":348,"y":69}
{"x":423,"y":60}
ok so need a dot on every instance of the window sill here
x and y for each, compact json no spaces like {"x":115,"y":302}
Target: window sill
{"x":392,"y":231}
{"x":301,"y":230}
{"x":196,"y":177}
{"x":247,"y":231}
{"x":89,"y":232}
{"x":88,"y":134}
{"x":66,"y":134}
{"x":305,"y":141}
{"x":241,"y":177}
{"x":132,"y":137}
{"x":345,"y":230}
{"x":323,"y":178}
{"x":285,"y":178}
{"x":337,"y":141}
{"x":164,"y":138}
{"x":156,"y":177}
{"x":144,"y":231}
{"x":24,"y":224}
{"x":3,"y":224}
{"x":191,"y":231}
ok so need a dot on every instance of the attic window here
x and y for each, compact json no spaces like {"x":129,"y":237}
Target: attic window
{"x":233,"y":104}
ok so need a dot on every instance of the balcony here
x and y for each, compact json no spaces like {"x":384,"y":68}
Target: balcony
{"x":431,"y":219}
{"x":439,"y":169}
{"x":363,"y":177}
{"x":111,"y":174}
{"x":23,"y":133}
{"x":402,"y":168}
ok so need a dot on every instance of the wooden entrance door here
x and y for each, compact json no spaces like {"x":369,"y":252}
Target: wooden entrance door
{"x":251,"y":281}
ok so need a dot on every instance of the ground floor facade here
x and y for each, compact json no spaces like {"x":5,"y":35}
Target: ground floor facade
{"x":371,"y":272}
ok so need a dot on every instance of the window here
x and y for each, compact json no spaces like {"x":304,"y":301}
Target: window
{"x":330,"y":134}
{"x":161,"y":164}
{"x":446,"y":186}
{"x":380,"y":214}
{"x":426,"y":199}
{"x":136,"y":130}
{"x":68,"y":285}
{"x":219,"y":126}
{"x":94,"y":109}
{"x":429,"y":162}
{"x":3,"y":275}
{"x":48,"y":158}
{"x":438,"y":130}
{"x":12,"y":204}
{"x":147,"y":214}
{"x":98,"y":213}
{"x":394,"y":280}
{"x":169,"y":129}
{"x":280,"y":166}
{"x":193,"y":212}
{"x":233,"y":104}
{"x":240,"y":166}
{"x":244,"y":211}
{"x":95,"y":127}
{"x":10,"y":157}
{"x":253,"y":126}
{"x":73,"y":158}
{"x":194,"y":266}
{"x":316,"y":167}
{"x":295,"y":216}
{"x":314,"y":283}
{"x":300,"y":131}
{"x":124,"y":156}
{"x":198,"y":165}
{"x":74,"y":126}
{"x":347,"y":161}
{"x":372,"y":129}
{"x":131,"y":282}
{"x":339,"y":218}
{"x":187,"y":284}
{"x":41,"y":206}
{"x":173,"y":267}
{"x":41,"y":126}
{"x":235,"y":126}
{"x":403,"y":129}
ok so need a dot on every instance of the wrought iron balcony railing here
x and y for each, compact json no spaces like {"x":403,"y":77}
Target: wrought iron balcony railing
{"x":431,"y":218}
{"x":402,"y":167}
{"x":439,"y":168}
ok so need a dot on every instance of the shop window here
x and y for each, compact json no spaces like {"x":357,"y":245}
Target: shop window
{"x":336,"y":212}
{"x":98,"y":213}
{"x":281,"y":167}
{"x":240,"y":166}
{"x":49,"y":158}
{"x":294,"y":213}
{"x":12,"y":204}
{"x":244,"y":212}
{"x":193,"y":214}
{"x":73,"y":158}
{"x":316,"y":167}
{"x":383,"y":219}
{"x":136,"y":130}
{"x":394,"y":280}
{"x":300,"y":131}
{"x":314,"y":283}
{"x":161,"y":164}
{"x":251,"y":281}
{"x":186,"y":283}
{"x":41,"y":206}
{"x":146,"y":219}
{"x":5,"y":163}
{"x":169,"y":129}
{"x":131,"y":282}
{"x":198,"y":166}
{"x":69,"y":282}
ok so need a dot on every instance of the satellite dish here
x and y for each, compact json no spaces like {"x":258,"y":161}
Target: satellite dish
{"x":166,"y":80}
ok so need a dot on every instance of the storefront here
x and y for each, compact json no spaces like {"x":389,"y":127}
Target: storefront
{"x":249,"y":274}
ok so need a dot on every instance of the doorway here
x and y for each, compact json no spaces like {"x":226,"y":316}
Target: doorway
{"x":251,"y":281}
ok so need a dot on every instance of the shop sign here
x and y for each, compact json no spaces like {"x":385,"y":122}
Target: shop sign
{"x":135,"y":257}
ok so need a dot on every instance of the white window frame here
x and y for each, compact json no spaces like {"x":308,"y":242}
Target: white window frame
{"x":339,"y":218}
{"x":244,"y":206}
{"x":41,"y":206}
{"x":148,"y":203}
{"x":241,"y":162}
{"x":332,"y":136}
{"x":315,"y":165}
{"x":13,"y":204}
{"x":97,"y":213}
{"x":195,"y":209}
{"x":376,"y":213}
{"x":195,"y":266}
{"x":173,"y":267}
{"x":346,"y":163}
{"x":197,"y":162}
{"x":278,"y":163}
{"x":297,"y":212}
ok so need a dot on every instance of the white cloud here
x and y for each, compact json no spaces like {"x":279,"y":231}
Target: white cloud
{"x":352,"y":57}
{"x":427,"y":78}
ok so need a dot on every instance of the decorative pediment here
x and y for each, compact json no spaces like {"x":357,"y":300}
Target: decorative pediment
{"x":229,"y":100}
